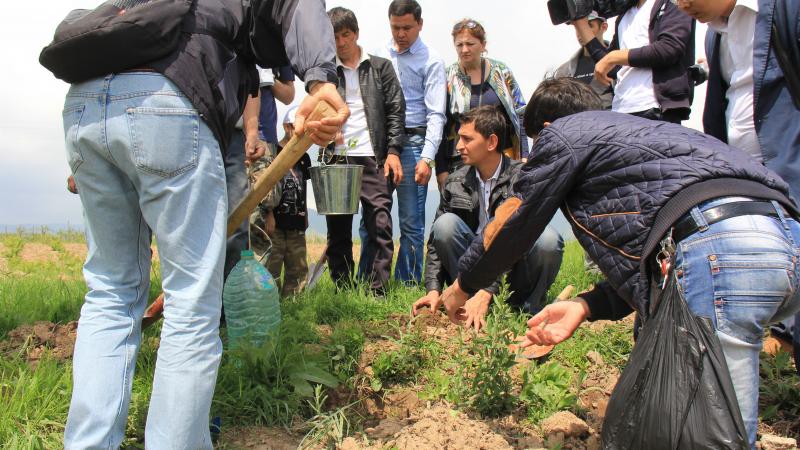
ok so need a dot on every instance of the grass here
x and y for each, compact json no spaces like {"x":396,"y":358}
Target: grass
{"x":323,"y":333}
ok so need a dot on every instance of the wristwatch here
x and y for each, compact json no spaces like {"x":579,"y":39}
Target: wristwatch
{"x":430,"y":162}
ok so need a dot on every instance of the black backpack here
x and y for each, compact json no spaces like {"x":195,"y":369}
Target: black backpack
{"x":116,"y":36}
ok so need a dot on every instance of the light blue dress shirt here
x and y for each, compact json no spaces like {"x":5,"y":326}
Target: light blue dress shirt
{"x":421,"y":73}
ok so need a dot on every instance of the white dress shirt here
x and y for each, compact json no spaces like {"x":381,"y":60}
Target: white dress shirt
{"x":486,"y":188}
{"x":355,"y":130}
{"x":736,"y":65}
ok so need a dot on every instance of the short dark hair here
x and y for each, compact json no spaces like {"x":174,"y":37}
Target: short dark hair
{"x":402,"y":7}
{"x":489,"y":120}
{"x":555,"y":98}
{"x":343,"y":19}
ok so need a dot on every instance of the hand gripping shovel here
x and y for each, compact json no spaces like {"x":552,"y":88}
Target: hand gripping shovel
{"x":280,"y":166}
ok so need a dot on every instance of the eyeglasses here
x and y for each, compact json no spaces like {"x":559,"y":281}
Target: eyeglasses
{"x":471,"y":24}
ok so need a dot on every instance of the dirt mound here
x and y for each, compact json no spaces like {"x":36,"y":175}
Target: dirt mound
{"x":76,"y":250}
{"x":443,"y":428}
{"x":40,"y":338}
{"x":259,"y":438}
{"x":36,"y":252}
{"x":3,"y":262}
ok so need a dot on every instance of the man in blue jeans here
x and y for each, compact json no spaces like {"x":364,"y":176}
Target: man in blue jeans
{"x":421,"y":73}
{"x":633,"y":189}
{"x":762,"y":118}
{"x":144,"y":147}
{"x":470,"y":198}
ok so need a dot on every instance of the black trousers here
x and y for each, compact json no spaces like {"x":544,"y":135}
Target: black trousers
{"x":376,"y":255}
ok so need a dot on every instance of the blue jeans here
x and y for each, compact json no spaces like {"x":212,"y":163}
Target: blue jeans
{"x":411,"y":213}
{"x":529,"y":279}
{"x":742,"y":274}
{"x":144,"y":160}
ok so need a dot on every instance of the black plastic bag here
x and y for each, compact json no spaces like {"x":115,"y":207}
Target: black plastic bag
{"x":675,"y":392}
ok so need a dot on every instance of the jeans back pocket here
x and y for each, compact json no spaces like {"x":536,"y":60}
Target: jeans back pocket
{"x":749,"y":289}
{"x":72,"y":120}
{"x":164,"y":140}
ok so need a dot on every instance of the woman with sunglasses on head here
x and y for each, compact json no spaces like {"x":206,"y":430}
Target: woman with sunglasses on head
{"x":474,"y":81}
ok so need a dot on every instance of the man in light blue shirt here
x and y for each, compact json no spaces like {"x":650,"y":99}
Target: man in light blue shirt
{"x":421,"y":73}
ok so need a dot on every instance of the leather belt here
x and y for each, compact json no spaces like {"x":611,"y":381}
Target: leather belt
{"x":137,"y":69}
{"x":416,"y":131}
{"x":687,"y":226}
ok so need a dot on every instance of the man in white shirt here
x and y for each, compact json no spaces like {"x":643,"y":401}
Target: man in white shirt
{"x":653,"y":46}
{"x":470,"y":198}
{"x":372,"y":137}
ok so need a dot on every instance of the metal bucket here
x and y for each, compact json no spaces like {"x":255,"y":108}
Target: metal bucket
{"x":337,"y":188}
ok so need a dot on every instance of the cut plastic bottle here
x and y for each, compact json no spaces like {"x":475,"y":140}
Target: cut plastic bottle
{"x":251,"y":301}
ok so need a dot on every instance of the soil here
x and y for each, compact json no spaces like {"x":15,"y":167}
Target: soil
{"x":596,"y":390}
{"x":76,"y":250}
{"x":259,"y":438}
{"x":438,"y":427}
{"x":40,"y":338}
{"x":35,"y":252}
{"x":3,"y":262}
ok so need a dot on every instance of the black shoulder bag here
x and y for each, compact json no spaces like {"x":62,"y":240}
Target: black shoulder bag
{"x":115,"y":36}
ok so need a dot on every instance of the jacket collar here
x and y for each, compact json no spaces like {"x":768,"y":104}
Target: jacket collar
{"x":471,"y":179}
{"x":364,"y":57}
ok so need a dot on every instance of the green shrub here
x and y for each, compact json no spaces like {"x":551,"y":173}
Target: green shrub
{"x":547,"y":389}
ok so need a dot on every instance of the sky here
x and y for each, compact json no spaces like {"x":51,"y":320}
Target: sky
{"x":33,"y":166}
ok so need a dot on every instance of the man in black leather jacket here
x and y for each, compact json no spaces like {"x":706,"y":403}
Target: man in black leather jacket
{"x":373,"y":138}
{"x":469,"y":200}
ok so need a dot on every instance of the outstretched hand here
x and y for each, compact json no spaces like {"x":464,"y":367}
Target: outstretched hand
{"x":454,"y":299}
{"x":556,"y":322}
{"x":432,"y":300}
{"x":474,"y":312}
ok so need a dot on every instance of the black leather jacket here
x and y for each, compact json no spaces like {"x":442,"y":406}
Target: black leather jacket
{"x":384,"y":105}
{"x":460,"y":197}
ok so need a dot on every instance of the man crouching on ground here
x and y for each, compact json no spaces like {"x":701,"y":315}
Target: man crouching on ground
{"x":470,"y":198}
{"x":631,"y":187}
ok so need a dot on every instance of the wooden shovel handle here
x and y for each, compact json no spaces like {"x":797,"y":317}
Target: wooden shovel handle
{"x":267,"y":180}
{"x":279,"y":167}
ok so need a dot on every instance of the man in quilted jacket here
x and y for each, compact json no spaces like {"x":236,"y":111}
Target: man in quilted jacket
{"x":638,"y":194}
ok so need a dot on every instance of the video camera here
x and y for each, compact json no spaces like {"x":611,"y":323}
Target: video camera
{"x":562,"y":11}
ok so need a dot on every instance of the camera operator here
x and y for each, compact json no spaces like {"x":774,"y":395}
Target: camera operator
{"x":581,"y":65}
{"x":654,"y":45}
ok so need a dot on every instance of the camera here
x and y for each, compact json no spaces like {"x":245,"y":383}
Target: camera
{"x":562,"y":11}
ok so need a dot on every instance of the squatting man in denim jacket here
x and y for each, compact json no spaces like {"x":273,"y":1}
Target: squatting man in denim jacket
{"x":627,"y":184}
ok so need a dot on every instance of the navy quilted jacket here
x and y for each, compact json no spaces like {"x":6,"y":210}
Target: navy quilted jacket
{"x":621,"y":181}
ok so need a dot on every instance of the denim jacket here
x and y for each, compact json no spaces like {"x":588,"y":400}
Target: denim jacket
{"x":459,"y":92}
{"x":776,"y":119}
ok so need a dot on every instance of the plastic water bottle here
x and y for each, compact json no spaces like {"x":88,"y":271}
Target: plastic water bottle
{"x":251,"y":301}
